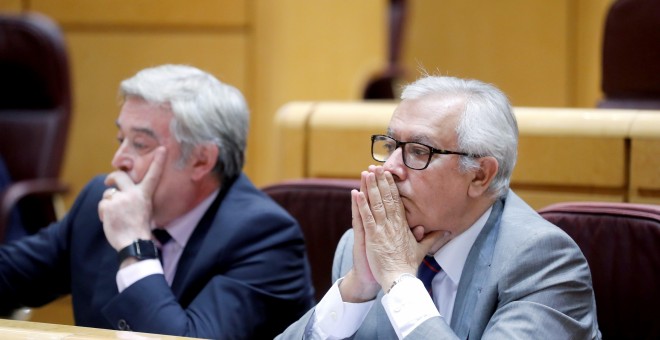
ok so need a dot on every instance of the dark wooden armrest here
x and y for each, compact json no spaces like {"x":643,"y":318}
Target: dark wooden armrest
{"x":17,"y":191}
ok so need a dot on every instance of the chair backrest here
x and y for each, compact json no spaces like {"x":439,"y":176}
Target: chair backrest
{"x":323,"y":209}
{"x":35,"y":104}
{"x":621,"y":242}
{"x":631,"y":50}
{"x":384,"y":85}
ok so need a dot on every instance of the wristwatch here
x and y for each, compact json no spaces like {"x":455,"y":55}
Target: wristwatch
{"x":139,"y":249}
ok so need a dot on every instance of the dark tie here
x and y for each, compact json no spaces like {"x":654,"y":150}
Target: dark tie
{"x":163,"y":237}
{"x":427,"y":271}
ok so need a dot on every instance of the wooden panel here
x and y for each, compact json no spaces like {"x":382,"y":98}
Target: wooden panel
{"x":13,"y":329}
{"x":339,"y":141}
{"x":574,"y":122}
{"x":100,"y":60}
{"x":564,"y":154}
{"x":538,"y":199}
{"x":144,"y":12}
{"x":10,"y":6}
{"x":571,"y":161}
{"x":645,"y":159}
{"x":520,"y":46}
{"x":541,"y":53}
{"x":59,"y":311}
{"x":572,"y":154}
{"x":309,"y":50}
{"x":645,"y":170}
{"x":291,"y":139}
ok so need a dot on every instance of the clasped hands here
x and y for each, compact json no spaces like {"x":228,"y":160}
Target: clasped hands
{"x":385,"y":246}
{"x":126,"y":207}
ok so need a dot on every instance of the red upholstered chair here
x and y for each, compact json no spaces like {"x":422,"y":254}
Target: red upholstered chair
{"x":323,"y":209}
{"x":621,"y":242}
{"x":35,"y":106}
{"x":631,"y":50}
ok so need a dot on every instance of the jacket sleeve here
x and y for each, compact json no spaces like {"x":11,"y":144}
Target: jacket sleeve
{"x":35,"y":270}
{"x":250,"y":280}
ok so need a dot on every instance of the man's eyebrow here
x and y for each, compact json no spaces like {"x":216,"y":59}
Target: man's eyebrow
{"x":146,"y":131}
{"x":414,"y":138}
{"x":422,"y":139}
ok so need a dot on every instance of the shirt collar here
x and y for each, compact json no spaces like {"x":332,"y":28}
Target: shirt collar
{"x":182,"y":227}
{"x":452,"y":256}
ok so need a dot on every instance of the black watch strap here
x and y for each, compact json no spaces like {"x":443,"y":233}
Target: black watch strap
{"x":139,"y":249}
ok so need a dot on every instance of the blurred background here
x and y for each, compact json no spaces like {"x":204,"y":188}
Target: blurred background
{"x":541,"y":53}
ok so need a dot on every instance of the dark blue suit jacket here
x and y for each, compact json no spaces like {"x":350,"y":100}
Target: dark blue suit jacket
{"x":243,"y":274}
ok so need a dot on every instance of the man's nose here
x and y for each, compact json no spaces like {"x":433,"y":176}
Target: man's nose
{"x":395,"y":165}
{"x":122,"y":161}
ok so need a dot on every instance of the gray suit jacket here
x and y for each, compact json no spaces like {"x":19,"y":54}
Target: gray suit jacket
{"x":524,"y":278}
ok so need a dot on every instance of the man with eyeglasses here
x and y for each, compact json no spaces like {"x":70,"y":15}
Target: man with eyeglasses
{"x":440,"y":246}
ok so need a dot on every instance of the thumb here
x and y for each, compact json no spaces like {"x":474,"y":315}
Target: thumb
{"x":152,"y":177}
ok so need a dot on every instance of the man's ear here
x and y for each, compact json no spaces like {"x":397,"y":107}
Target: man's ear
{"x":204,"y":158}
{"x":483,"y":176}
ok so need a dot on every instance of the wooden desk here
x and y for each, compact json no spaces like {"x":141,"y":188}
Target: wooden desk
{"x":564,"y":154}
{"x":15,"y":330}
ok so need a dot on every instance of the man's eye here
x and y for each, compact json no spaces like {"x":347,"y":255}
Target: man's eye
{"x":120,"y":140}
{"x":139,"y":146}
{"x":419,"y":150}
{"x":389,"y":147}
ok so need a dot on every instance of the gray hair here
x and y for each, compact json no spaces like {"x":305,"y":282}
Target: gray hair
{"x":205,"y":110}
{"x":487,"y":126}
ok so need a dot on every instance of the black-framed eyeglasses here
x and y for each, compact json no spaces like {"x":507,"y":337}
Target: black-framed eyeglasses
{"x":416,"y":156}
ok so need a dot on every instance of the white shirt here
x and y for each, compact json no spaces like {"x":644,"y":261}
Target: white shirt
{"x":408,"y":304}
{"x":180,"y":229}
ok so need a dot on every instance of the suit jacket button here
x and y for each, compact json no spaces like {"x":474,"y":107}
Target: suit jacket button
{"x":122,"y":325}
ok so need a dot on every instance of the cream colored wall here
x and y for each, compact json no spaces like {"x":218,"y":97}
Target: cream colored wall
{"x":541,"y":53}
{"x":306,"y":50}
{"x":10,"y":6}
{"x":92,"y":140}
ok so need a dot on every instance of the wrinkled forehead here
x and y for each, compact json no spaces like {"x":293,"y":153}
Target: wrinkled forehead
{"x":431,"y":118}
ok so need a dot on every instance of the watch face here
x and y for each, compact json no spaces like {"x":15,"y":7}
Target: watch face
{"x":145,"y":249}
{"x":139,"y":249}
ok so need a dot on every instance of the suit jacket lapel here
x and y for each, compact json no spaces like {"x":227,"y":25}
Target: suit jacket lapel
{"x":182,"y":277}
{"x":478,"y":261}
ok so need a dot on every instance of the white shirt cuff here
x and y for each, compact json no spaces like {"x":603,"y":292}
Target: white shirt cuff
{"x":407,"y":305}
{"x":137,"y":271}
{"x":336,"y":319}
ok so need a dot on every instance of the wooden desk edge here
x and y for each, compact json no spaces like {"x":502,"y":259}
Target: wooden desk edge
{"x":14,"y":329}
